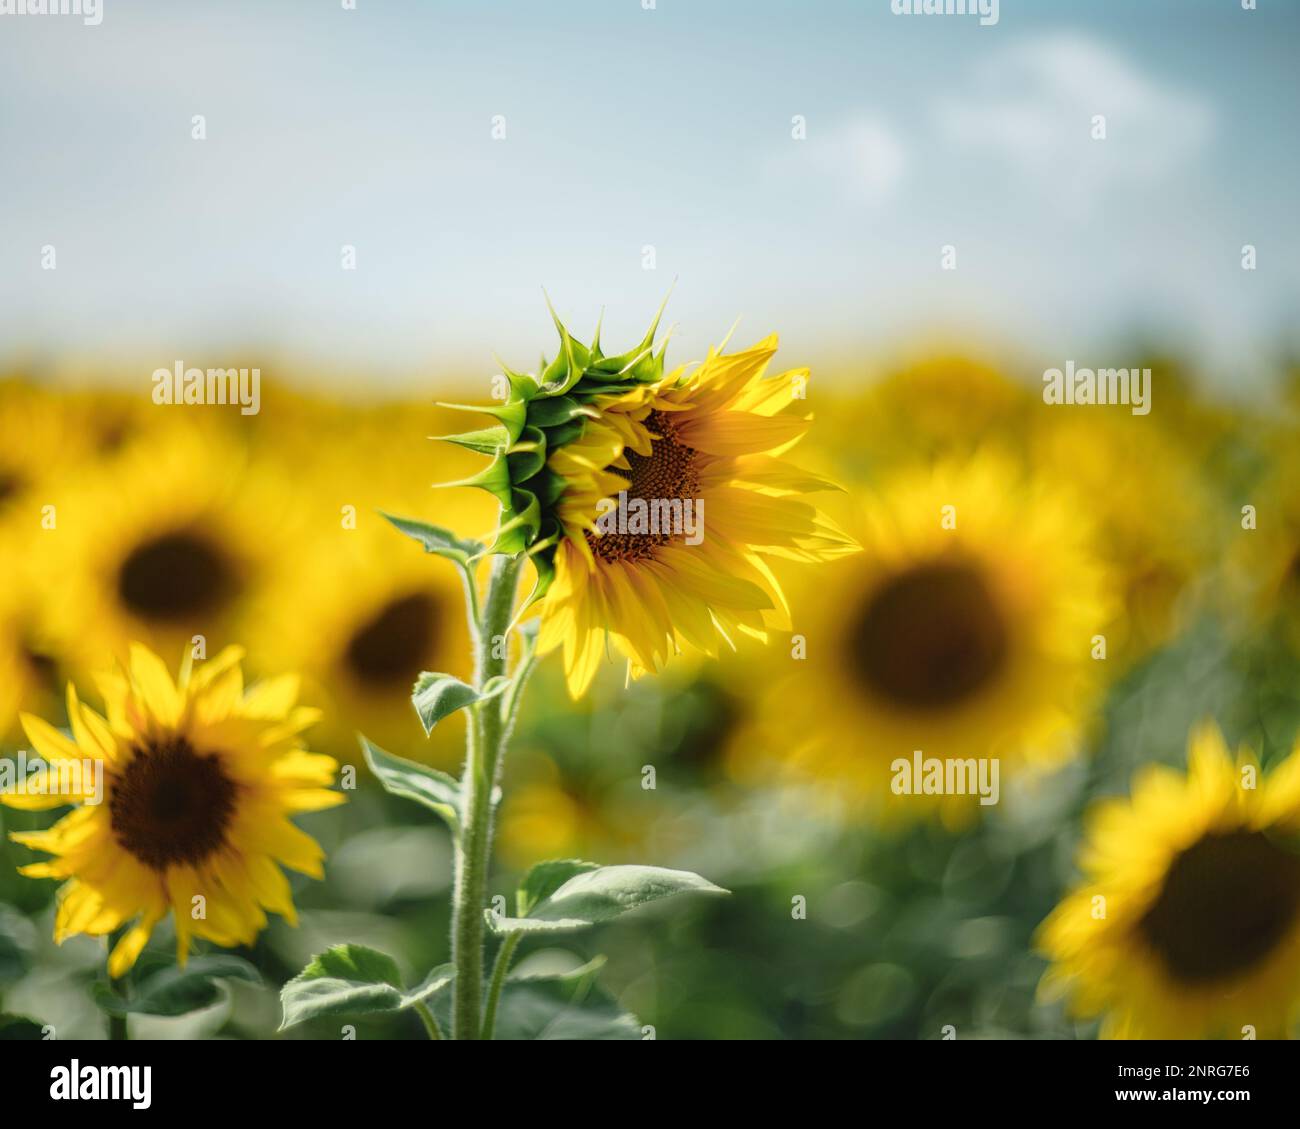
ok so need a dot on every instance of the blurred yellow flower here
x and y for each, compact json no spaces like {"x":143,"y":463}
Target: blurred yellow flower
{"x":1264,"y":557}
{"x":184,"y":791}
{"x":965,"y":630}
{"x":357,"y":609}
{"x":1155,"y":515}
{"x":1187,"y":921}
{"x":170,"y":541}
{"x":936,"y":403}
{"x":28,"y":667}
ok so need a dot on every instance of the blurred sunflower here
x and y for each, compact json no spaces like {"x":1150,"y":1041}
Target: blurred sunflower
{"x":200,"y":779}
{"x":1264,"y":561}
{"x":171,"y":541}
{"x":1155,"y":525}
{"x":592,"y":429}
{"x":39,"y":441}
{"x":936,"y":403}
{"x":557,"y":811}
{"x":1187,"y":923}
{"x":28,"y":664}
{"x":358,"y":610}
{"x":965,"y":630}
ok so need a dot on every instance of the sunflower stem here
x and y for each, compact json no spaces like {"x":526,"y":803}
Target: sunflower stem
{"x":483,"y":758}
{"x":430,"y":1023}
{"x":499,"y":971}
{"x":117,"y":1029}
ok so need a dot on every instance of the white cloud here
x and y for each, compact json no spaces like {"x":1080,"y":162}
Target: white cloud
{"x":862,"y":157}
{"x":1032,"y":106}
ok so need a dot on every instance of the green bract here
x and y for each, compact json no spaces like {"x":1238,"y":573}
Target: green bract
{"x":541,"y":414}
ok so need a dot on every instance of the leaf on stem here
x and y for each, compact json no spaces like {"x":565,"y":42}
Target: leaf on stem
{"x":427,"y":786}
{"x":437,"y":540}
{"x":593,"y":894}
{"x":176,"y":991}
{"x":435,"y":696}
{"x":355,"y":980}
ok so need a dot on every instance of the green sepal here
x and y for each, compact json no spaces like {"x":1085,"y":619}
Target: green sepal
{"x":516,"y":533}
{"x":512,"y":414}
{"x":528,"y":456}
{"x":488,"y":441}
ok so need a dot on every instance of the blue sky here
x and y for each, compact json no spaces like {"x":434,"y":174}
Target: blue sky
{"x":627,"y":128}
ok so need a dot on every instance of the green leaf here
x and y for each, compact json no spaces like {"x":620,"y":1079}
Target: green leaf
{"x":435,"y":696}
{"x":592,"y":896}
{"x":19,"y":1027}
{"x":435,"y":790}
{"x":354,"y":980}
{"x":545,"y":878}
{"x":563,"y":1004}
{"x":178,"y":991}
{"x":437,"y":540}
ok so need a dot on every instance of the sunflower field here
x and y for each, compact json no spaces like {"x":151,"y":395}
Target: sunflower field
{"x":982,"y":711}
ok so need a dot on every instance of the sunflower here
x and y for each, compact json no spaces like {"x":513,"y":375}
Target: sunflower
{"x":28,"y":664}
{"x":965,"y":630}
{"x":39,"y":441}
{"x":1187,"y":922}
{"x":933,"y":403}
{"x":651,"y":503}
{"x":199,"y":780}
{"x":1264,"y":560}
{"x":358,"y":610}
{"x":173,"y":540}
{"x":1159,"y":561}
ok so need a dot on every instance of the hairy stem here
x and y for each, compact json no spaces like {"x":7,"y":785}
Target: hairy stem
{"x":499,"y":971}
{"x":430,"y":1023}
{"x":117,"y":1030}
{"x":486,"y":731}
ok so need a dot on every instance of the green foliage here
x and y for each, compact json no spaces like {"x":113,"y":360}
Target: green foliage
{"x":173,"y":991}
{"x":436,"y":696}
{"x":427,"y":786}
{"x":563,"y":897}
{"x":354,"y":980}
{"x":439,"y":541}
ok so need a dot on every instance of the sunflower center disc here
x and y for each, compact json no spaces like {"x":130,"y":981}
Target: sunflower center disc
{"x":1226,"y":903}
{"x":10,"y":484}
{"x":390,"y":648}
{"x":667,"y":474}
{"x":930,"y":637}
{"x":171,"y":806}
{"x":174,"y":577}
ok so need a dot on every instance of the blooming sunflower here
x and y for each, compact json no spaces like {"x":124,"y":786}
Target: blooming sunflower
{"x":595,"y":431}
{"x":964,"y":630}
{"x":1187,"y":922}
{"x":174,"y":539}
{"x":200,"y":778}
